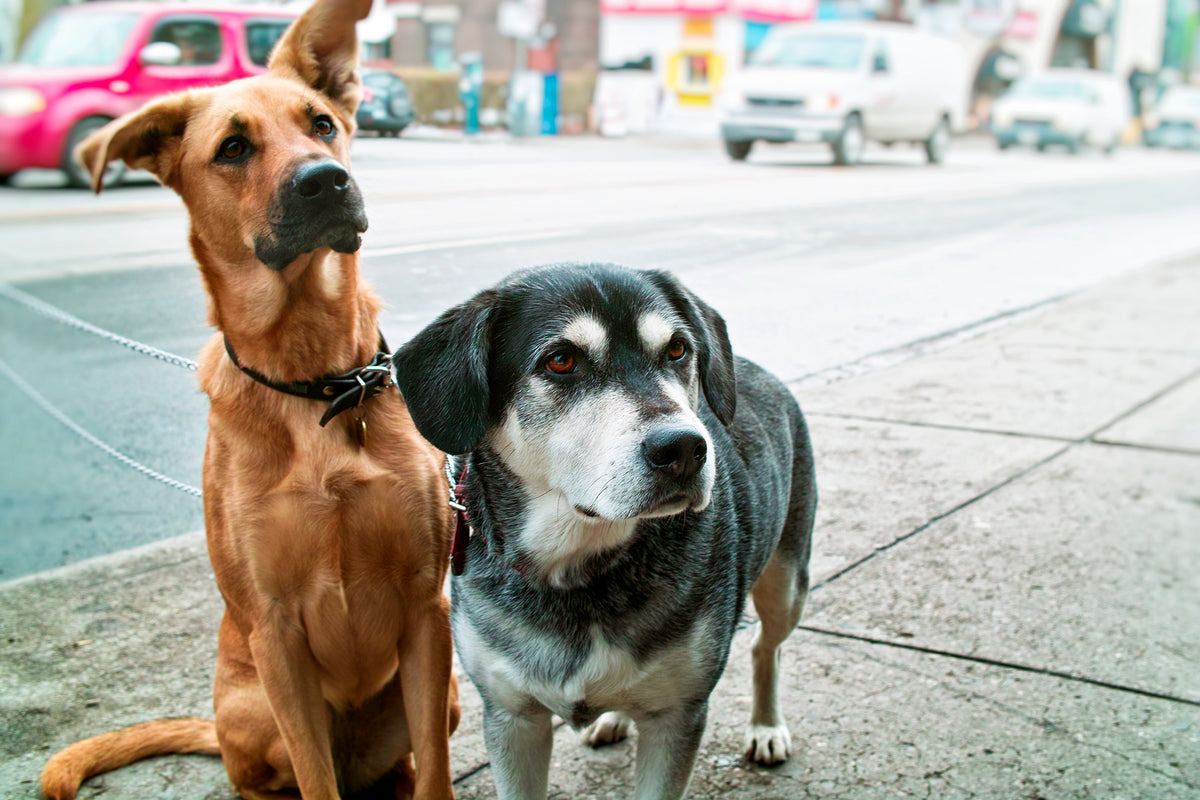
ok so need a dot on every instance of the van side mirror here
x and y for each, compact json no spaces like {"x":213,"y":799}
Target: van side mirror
{"x":161,"y":54}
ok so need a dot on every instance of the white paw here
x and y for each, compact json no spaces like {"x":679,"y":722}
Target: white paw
{"x":612,"y":726}
{"x":768,"y":744}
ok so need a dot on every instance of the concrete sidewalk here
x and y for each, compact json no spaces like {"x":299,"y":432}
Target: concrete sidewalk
{"x":1007,"y":606}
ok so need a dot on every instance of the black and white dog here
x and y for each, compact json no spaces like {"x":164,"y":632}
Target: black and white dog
{"x":621,"y":511}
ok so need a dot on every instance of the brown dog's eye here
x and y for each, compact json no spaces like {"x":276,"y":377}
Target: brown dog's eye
{"x":677,"y":349}
{"x":561,"y":363}
{"x":323,"y":126}
{"x":233,"y":149}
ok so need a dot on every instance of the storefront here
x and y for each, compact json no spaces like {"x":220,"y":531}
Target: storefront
{"x":663,"y":62}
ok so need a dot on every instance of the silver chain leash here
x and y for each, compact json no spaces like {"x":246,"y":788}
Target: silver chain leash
{"x":53,"y":411}
{"x":58,"y":315}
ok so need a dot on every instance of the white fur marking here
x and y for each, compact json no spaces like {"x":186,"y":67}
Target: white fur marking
{"x":587,"y":333}
{"x":655,"y":331}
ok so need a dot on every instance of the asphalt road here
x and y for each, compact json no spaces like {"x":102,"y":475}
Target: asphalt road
{"x":820,"y":272}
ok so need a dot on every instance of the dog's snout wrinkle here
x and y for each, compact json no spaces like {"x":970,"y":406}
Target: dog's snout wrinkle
{"x":320,"y":180}
{"x":679,"y":452}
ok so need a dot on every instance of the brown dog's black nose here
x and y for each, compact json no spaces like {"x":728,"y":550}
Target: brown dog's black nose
{"x":321,"y":180}
{"x":679,"y":452}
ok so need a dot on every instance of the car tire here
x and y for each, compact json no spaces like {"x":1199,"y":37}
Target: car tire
{"x":848,"y":147}
{"x":1003,"y":144}
{"x":77,"y":175}
{"x":738,"y":151}
{"x":4,"y":179}
{"x":938,"y":142}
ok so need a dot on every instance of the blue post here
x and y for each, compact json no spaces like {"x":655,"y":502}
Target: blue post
{"x":470,"y":89}
{"x":550,"y":104}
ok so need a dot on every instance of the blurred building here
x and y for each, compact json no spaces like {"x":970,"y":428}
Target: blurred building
{"x":436,"y":33}
{"x":671,"y":56}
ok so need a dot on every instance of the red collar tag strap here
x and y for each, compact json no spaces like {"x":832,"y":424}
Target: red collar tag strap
{"x":462,"y":522}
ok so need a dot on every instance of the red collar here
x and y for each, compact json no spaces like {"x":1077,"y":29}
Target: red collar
{"x":462,"y":523}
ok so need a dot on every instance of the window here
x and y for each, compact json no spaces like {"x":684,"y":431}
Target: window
{"x":198,"y":39}
{"x":80,"y":39}
{"x":791,"y":49}
{"x":441,"y":44}
{"x":261,"y":36}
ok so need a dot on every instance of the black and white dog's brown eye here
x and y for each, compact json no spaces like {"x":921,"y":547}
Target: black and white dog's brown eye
{"x":677,"y":349}
{"x":561,"y":364}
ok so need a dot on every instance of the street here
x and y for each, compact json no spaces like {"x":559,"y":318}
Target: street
{"x":820,"y":272}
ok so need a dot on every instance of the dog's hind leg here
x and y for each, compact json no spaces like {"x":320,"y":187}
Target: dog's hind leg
{"x":779,"y":598}
{"x":611,"y":727}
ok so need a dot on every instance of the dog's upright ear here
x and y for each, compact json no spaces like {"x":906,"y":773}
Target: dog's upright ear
{"x":150,"y":138}
{"x":443,"y":374}
{"x":713,"y":351}
{"x":320,"y":49}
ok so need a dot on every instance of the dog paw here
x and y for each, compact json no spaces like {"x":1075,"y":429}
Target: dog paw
{"x":768,"y":744}
{"x":612,"y":726}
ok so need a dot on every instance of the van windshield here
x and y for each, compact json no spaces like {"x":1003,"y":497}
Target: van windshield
{"x":77,"y":40}
{"x":806,"y":49}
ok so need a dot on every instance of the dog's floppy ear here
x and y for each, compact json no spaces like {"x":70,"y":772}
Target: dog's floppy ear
{"x":714,"y":352}
{"x":150,"y":139}
{"x":320,"y":49}
{"x":443,"y":374}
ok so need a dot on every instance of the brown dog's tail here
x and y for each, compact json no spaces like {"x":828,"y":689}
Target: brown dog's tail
{"x":68,"y":769}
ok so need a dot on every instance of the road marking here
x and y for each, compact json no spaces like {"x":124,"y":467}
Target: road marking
{"x":446,"y":244}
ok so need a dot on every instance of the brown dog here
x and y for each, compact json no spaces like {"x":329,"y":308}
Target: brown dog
{"x":329,"y":547}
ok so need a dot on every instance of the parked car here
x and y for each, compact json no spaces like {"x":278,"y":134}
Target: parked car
{"x":1072,"y":108}
{"x":1175,"y":121}
{"x":86,"y":64}
{"x":386,"y":104}
{"x":844,"y":84}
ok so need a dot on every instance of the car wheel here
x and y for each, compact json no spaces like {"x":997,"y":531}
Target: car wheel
{"x":1041,"y":147}
{"x":77,"y":175}
{"x":738,"y":150}
{"x":4,"y":179}
{"x":938,"y":142}
{"x":848,"y":147}
{"x":1003,"y":144}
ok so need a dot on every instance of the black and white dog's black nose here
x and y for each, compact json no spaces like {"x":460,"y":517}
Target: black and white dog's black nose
{"x":678,"y":452}
{"x":321,"y":180}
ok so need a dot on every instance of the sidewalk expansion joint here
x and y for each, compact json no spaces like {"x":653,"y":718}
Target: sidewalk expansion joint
{"x":992,"y":662}
{"x":944,"y":515}
{"x":918,"y":347}
{"x":942,"y":426}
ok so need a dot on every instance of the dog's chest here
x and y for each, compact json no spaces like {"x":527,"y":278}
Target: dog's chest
{"x":578,"y":682}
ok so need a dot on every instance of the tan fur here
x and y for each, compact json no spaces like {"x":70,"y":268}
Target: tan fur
{"x":331,"y":557}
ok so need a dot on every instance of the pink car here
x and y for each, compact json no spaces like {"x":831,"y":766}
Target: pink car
{"x":86,"y":64}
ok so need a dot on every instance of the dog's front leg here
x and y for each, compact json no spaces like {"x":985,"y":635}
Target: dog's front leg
{"x":291,"y":679}
{"x":519,"y":746}
{"x":426,"y":657}
{"x":666,"y":750}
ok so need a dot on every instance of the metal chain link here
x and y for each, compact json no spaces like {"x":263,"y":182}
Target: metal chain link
{"x":45,"y":309}
{"x":46,"y":406}
{"x":58,"y":315}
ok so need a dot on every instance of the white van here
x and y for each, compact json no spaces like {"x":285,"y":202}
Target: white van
{"x":846,"y":83}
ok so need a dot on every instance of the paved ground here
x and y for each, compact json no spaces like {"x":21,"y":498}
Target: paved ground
{"x":1006,"y":606}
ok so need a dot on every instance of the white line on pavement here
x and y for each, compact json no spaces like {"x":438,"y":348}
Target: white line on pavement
{"x":445,"y":244}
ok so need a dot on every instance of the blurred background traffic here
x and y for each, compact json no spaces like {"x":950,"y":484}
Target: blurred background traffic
{"x":1071,"y":74}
